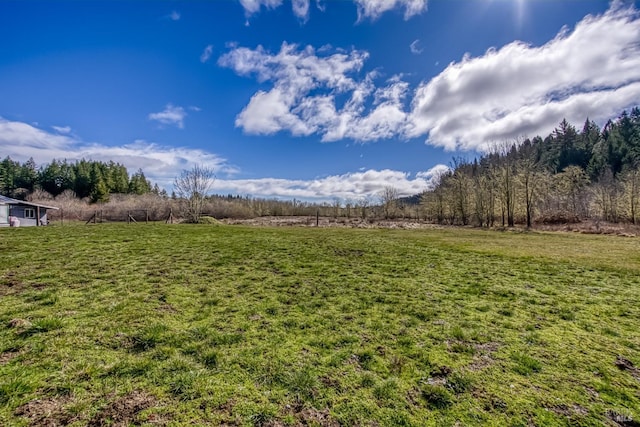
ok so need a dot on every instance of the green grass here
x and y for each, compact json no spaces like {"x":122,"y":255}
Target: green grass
{"x":204,"y":325}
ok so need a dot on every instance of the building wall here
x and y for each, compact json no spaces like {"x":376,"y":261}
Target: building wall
{"x":4,"y":215}
{"x":19,"y":211}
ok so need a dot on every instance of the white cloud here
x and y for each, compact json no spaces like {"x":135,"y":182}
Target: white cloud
{"x":373,"y":9}
{"x":253,"y":6}
{"x":206,"y":53}
{"x":301,"y":9}
{"x":171,"y":115}
{"x":174,"y":15}
{"x":160,"y":164}
{"x":62,"y":129}
{"x":296,"y":73}
{"x":517,"y":90}
{"x":414,"y":48}
{"x":433,"y":175}
{"x":592,"y":71}
{"x":367,"y":9}
{"x":354,"y":185}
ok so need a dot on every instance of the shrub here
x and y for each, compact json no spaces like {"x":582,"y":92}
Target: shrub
{"x":437,"y":397}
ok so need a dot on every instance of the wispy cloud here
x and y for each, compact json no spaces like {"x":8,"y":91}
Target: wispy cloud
{"x":415,"y":48}
{"x":506,"y":93}
{"x":300,"y":9}
{"x":160,"y":163}
{"x":206,"y":53}
{"x":174,"y":15}
{"x":171,"y":115}
{"x":62,"y":129}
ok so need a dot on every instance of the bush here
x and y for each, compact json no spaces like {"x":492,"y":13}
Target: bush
{"x":437,"y":397}
{"x":209,"y":220}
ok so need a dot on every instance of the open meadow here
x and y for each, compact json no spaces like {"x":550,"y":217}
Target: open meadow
{"x":230,"y":325}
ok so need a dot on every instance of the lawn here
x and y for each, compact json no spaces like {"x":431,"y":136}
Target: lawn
{"x":207,"y":325}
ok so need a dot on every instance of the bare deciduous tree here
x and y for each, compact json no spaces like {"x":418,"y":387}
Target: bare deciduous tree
{"x":193,"y":186}
{"x":388,"y":197}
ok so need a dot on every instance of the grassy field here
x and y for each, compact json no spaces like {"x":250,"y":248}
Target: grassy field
{"x":207,"y":325}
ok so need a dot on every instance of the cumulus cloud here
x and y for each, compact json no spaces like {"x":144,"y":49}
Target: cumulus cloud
{"x":433,"y":175}
{"x":592,"y":71}
{"x":354,"y":185}
{"x":206,"y":53}
{"x":160,"y":163}
{"x":367,"y":9}
{"x":415,"y":48}
{"x":306,"y":84}
{"x":171,"y":115}
{"x":373,"y":9}
{"x":517,"y":90}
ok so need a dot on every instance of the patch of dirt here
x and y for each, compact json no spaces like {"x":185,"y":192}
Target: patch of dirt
{"x":307,"y":417}
{"x":166,"y":308}
{"x":626,"y":365}
{"x":20,"y":325}
{"x":10,"y":284}
{"x":354,"y":360}
{"x":124,"y":411}
{"x":570,"y":411}
{"x":438,"y":376}
{"x":312,"y":416}
{"x":7,"y":356}
{"x":483,"y":357}
{"x":46,"y":412}
{"x":332,"y":383}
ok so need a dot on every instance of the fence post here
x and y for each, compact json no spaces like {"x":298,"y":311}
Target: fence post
{"x":318,"y":218}
{"x":128,"y":216}
{"x":146,"y":211}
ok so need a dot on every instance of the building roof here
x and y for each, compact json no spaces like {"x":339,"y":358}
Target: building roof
{"x":10,"y":201}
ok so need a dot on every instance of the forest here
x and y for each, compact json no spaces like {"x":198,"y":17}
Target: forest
{"x":565,"y":177}
{"x":85,"y":179}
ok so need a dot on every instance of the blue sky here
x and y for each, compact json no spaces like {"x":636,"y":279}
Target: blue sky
{"x":306,"y":99}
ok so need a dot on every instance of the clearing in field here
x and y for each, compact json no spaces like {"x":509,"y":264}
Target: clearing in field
{"x":183,"y":325}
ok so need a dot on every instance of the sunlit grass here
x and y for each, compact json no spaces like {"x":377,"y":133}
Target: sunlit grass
{"x":220,"y":324}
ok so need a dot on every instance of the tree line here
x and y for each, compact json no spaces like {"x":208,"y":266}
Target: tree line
{"x":85,"y":178}
{"x":567,"y":176}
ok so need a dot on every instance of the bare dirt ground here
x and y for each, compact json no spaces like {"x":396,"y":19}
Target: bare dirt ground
{"x":585,"y":227}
